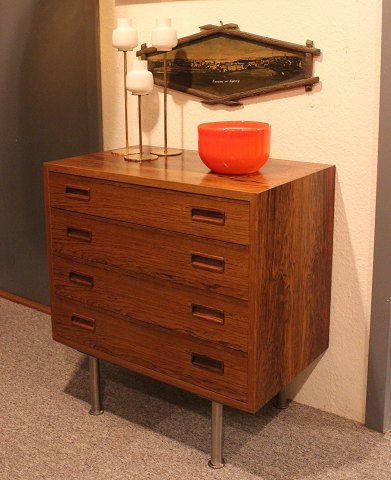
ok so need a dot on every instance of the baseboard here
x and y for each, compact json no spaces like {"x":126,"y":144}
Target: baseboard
{"x":25,"y":301}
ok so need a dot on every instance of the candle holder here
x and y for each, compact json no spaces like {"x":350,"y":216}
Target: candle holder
{"x":164,"y":39}
{"x":139,"y":81}
{"x":125,"y":38}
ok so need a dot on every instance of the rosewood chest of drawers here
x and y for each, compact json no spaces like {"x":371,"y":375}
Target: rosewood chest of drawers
{"x":219,"y":285}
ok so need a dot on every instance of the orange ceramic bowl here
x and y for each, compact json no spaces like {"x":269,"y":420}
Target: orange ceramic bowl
{"x":234,"y":147}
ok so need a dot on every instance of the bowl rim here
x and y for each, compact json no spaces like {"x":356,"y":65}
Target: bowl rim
{"x":233,"y":125}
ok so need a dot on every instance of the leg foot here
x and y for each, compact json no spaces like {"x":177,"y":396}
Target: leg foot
{"x":216,"y":457}
{"x":96,"y":408}
{"x":281,"y":400}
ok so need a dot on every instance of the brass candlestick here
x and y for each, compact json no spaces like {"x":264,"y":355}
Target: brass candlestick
{"x":127,"y":150}
{"x":165,"y":151}
{"x":140,"y":156}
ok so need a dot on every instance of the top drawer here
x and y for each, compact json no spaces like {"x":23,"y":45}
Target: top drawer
{"x":211,"y":217}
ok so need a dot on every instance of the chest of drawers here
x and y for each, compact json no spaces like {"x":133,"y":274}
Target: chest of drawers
{"x":219,"y":285}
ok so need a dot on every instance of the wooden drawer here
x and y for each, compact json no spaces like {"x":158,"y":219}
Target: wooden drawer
{"x":194,"y":261}
{"x":200,"y":215}
{"x":152,"y":350}
{"x":208,"y":316}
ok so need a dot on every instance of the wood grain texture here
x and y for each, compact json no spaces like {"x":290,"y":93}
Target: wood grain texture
{"x":294,"y":280}
{"x":168,"y":210}
{"x":254,"y":302}
{"x":165,"y":257}
{"x":150,"y":252}
{"x":185,"y":173}
{"x":154,"y":349}
{"x":48,"y":224}
{"x":152,"y":302}
{"x":25,"y":301}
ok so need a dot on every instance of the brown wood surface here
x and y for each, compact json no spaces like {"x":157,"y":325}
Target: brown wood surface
{"x":155,"y":349}
{"x":150,"y":252}
{"x":48,"y":224}
{"x":153,"y":207}
{"x":185,"y":173}
{"x":254,"y":302}
{"x":153,"y":302}
{"x":123,"y":290}
{"x":25,"y":301}
{"x":294,"y":280}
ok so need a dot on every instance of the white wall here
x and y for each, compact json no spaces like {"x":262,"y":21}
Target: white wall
{"x":337,"y":123}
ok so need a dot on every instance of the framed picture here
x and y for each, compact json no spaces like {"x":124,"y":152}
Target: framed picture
{"x":221,"y":64}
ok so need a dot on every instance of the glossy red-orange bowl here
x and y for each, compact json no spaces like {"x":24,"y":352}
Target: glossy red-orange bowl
{"x":234,"y":147}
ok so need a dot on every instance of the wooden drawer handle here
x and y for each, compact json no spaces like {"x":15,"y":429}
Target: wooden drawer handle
{"x":207,"y":313}
{"x":216,"y":217}
{"x":83,"y":322}
{"x":208,"y":262}
{"x":79,"y":234}
{"x":77,"y":193}
{"x":81,"y":279}
{"x":208,"y":363}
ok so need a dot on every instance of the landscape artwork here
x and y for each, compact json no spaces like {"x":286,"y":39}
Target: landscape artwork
{"x":230,"y":65}
{"x":225,"y":64}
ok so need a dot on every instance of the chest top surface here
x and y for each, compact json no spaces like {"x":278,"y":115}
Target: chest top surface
{"x":185,"y":173}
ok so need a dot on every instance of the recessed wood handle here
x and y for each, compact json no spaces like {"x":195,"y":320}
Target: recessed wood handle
{"x":215,"y":217}
{"x":81,"y":279}
{"x":208,"y":262}
{"x":83,"y":322}
{"x":207,"y":313}
{"x":82,"y":234}
{"x":77,"y":193}
{"x":208,"y":363}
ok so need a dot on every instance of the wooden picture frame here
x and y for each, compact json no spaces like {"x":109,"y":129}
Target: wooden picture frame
{"x":222,"y":65}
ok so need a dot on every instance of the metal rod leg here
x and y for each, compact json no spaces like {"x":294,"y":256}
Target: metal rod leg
{"x":165,"y":101}
{"x":126,"y":103}
{"x":216,"y":457}
{"x":281,"y":400}
{"x":96,"y":408}
{"x":140,"y":130}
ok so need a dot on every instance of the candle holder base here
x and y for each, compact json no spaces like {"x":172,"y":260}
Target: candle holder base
{"x":141,"y":157}
{"x":125,"y":151}
{"x":165,"y":152}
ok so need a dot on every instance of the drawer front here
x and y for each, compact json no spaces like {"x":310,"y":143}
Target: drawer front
{"x":193,"y":261}
{"x":217,"y":369}
{"x":207,"y":316}
{"x":200,"y":215}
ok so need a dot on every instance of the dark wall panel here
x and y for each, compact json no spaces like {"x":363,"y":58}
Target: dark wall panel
{"x":378,"y":409}
{"x":50,"y":108}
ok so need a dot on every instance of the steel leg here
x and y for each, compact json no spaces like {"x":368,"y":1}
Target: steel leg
{"x":281,"y":400}
{"x":216,"y":457}
{"x":96,"y":408}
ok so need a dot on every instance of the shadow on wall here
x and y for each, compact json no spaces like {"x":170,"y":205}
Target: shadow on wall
{"x":155,"y":108}
{"x":50,"y":114}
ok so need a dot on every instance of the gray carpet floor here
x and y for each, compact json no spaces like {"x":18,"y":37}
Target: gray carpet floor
{"x":150,"y":430}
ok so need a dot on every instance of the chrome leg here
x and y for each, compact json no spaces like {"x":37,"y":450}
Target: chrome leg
{"x":281,"y":400}
{"x":96,"y":408}
{"x":216,"y":457}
